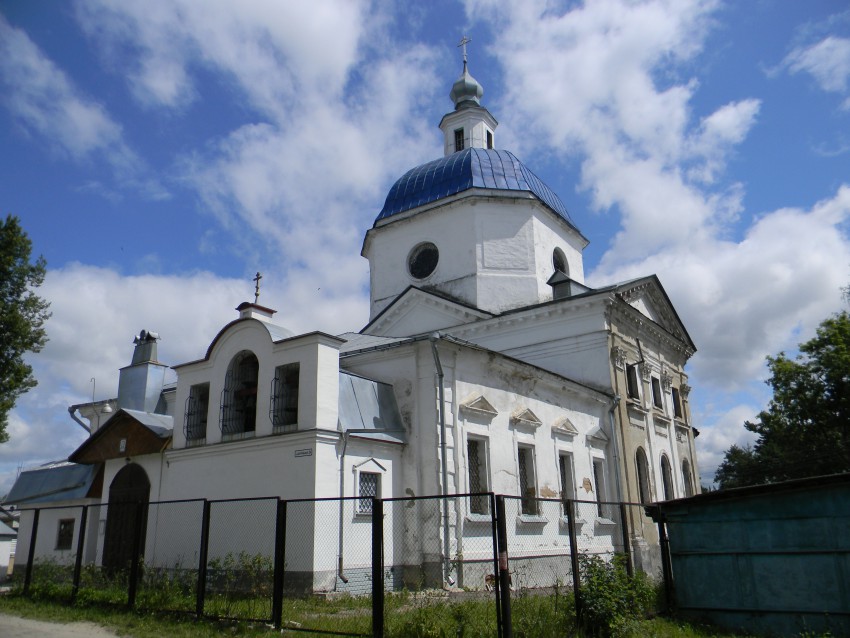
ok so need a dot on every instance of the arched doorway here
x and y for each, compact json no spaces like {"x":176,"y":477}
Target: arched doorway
{"x":128,"y":511}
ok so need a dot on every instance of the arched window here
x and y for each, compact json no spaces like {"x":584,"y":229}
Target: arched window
{"x":559,"y":261}
{"x":239,"y":397}
{"x":686,"y":476}
{"x":667,"y":478}
{"x":643,"y":476}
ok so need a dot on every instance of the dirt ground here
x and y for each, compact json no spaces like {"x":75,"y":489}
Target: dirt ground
{"x":14,"y":627}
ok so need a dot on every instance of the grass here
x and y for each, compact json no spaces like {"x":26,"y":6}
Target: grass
{"x":407,"y":616}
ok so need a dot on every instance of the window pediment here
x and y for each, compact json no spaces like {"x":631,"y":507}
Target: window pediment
{"x":477,"y":405}
{"x":525,"y":417}
{"x":564,"y":426}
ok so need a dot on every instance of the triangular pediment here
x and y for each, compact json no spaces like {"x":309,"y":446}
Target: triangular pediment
{"x":477,"y":404}
{"x":417,"y":311}
{"x":525,"y":417}
{"x":564,"y":426}
{"x":369,"y":465}
{"x":647,"y":296}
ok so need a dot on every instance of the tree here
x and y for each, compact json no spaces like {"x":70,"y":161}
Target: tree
{"x":22,"y":315}
{"x":805,"y":430}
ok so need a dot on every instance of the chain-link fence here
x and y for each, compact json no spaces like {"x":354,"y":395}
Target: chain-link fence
{"x":323,"y":565}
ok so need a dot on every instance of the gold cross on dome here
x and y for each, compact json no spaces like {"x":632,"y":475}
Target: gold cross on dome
{"x":257,"y":287}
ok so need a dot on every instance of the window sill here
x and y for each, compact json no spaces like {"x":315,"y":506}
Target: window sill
{"x":285,"y":429}
{"x":196,"y":442}
{"x":604,"y":522}
{"x":532,"y":519}
{"x":659,"y":416}
{"x":478,"y":518}
{"x":635,"y":404}
{"x":237,"y":436}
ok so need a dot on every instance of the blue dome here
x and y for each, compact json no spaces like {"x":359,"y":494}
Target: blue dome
{"x":469,"y":168}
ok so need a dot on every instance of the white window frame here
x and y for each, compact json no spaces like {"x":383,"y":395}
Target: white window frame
{"x":367,"y":467}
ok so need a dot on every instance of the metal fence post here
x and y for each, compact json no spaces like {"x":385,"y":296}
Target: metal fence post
{"x":201,"y":592}
{"x":571,"y":527}
{"x":78,"y":563}
{"x":504,"y":572}
{"x":627,"y":547}
{"x":137,"y":548}
{"x":377,"y":568}
{"x":279,"y":564}
{"x":496,"y":589}
{"x":666,"y":566}
{"x":31,"y":553}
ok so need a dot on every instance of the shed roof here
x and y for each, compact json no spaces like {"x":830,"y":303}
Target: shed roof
{"x":368,"y":409}
{"x":59,"y":482}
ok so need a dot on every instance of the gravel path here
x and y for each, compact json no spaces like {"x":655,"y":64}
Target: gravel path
{"x":14,"y":627}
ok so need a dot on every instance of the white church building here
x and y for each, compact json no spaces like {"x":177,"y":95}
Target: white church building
{"x":487,"y":365}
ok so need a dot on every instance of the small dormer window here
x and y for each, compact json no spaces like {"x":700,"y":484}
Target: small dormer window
{"x":458,"y":139}
{"x":489,"y":139}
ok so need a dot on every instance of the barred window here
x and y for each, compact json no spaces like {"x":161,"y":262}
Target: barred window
{"x":368,"y":489}
{"x":284,"y":407}
{"x":459,"y":140}
{"x":197,"y":405}
{"x":476,"y":455}
{"x":239,"y":396}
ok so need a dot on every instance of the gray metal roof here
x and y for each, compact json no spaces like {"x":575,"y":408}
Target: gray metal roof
{"x":59,"y":482}
{"x":160,"y":424}
{"x":355,"y":341}
{"x":6,"y":531}
{"x":368,"y":409}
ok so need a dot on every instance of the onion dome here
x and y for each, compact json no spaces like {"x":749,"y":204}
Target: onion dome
{"x":466,"y":91}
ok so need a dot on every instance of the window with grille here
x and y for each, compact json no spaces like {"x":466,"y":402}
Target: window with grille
{"x":632,"y":382}
{"x":527,"y":485}
{"x":369,"y":483}
{"x":239,"y":396}
{"x":476,"y":456}
{"x":197,"y":405}
{"x":459,"y":139}
{"x":65,"y":534}
{"x":284,"y":406}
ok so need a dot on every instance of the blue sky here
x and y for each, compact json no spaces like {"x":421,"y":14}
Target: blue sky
{"x":161,"y":153}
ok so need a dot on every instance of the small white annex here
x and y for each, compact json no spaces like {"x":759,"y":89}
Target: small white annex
{"x":487,"y":365}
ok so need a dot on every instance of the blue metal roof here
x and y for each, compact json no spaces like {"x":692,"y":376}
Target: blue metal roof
{"x":469,"y":168}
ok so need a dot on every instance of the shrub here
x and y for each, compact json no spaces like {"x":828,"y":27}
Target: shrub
{"x":609,"y":598}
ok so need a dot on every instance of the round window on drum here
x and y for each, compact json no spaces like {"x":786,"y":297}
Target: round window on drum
{"x":422,"y":260}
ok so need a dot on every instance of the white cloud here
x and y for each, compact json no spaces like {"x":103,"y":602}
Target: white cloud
{"x":727,"y":430}
{"x":43,"y":99}
{"x":827,"y":61}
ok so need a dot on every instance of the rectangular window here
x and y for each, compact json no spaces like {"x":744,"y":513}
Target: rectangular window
{"x":632,"y":382}
{"x":527,"y":481}
{"x":656,"y":394}
{"x":65,"y":534}
{"x":565,"y":466}
{"x":284,"y":408}
{"x":197,"y":406}
{"x":677,"y":403}
{"x":476,"y":458}
{"x":369,"y":488}
{"x":459,"y":140}
{"x":489,"y":139}
{"x":599,"y":479}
